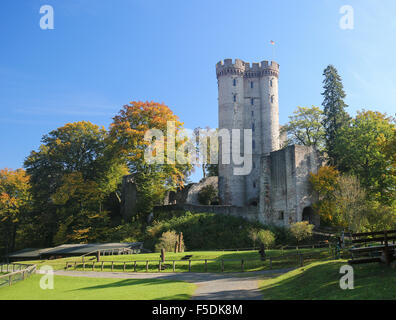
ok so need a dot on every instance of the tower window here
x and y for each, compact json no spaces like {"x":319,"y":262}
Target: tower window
{"x":252,"y":113}
{"x":254,"y":184}
{"x":253,"y":127}
{"x":234,"y":97}
{"x":272,"y":99}
{"x":281,"y":215}
{"x":254,"y":144}
{"x":251,"y":84}
{"x":234,"y":82}
{"x":252,"y":101}
{"x":271,"y":83}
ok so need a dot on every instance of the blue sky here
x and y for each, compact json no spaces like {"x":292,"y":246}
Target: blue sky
{"x":103,"y":54}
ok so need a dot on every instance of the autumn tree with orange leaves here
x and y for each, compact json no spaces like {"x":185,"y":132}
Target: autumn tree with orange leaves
{"x":128,"y":132}
{"x":15,"y":200}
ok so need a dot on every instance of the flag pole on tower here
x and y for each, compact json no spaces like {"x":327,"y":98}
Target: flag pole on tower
{"x":273,"y":50}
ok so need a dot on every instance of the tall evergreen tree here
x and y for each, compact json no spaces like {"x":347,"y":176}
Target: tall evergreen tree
{"x":335,"y":116}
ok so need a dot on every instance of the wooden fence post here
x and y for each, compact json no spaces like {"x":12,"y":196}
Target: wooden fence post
{"x":84,"y":266}
{"x":159,"y":266}
{"x":146,"y":265}
{"x":112,"y":265}
{"x":206,"y":265}
{"x":124,"y":266}
{"x":174,"y":262}
{"x":93,"y":265}
{"x":134,"y":266}
{"x":242,"y":265}
{"x":102,"y":265}
{"x":222,"y":265}
{"x":189,"y":265}
{"x":301,"y":260}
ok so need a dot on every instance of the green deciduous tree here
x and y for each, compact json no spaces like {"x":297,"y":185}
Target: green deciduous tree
{"x":366,"y":149}
{"x":72,"y":174}
{"x":305,"y":127}
{"x":301,"y":230}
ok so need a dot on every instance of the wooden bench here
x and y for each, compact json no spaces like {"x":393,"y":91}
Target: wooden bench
{"x":382,"y":250}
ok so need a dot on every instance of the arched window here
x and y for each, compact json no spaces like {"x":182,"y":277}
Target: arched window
{"x":271,"y":83}
{"x":272,"y":99}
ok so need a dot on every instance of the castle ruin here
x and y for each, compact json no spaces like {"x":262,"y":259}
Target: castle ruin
{"x":276,"y":190}
{"x":278,"y":183}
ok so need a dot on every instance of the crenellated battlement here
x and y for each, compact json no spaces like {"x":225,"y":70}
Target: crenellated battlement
{"x":239,"y":67}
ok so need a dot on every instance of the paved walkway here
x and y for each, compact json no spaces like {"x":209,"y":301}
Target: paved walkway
{"x":210,"y":286}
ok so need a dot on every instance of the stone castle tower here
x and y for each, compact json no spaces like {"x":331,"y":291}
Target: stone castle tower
{"x":248,"y":99}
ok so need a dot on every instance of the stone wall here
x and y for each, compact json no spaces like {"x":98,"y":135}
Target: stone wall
{"x":189,"y":194}
{"x":285,"y":190}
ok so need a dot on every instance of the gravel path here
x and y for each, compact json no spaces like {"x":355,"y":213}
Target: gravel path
{"x":210,"y":286}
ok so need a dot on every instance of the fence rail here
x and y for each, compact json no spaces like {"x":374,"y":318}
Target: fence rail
{"x":15,"y":272}
{"x":295,"y":260}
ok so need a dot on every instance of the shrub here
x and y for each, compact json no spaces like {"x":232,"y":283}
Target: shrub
{"x":205,"y":231}
{"x":168,"y":241}
{"x":253,"y":235}
{"x":208,"y":195}
{"x":266,"y":238}
{"x":301,"y":230}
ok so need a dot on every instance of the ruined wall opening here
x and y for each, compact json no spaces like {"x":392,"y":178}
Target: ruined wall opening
{"x":309,"y":215}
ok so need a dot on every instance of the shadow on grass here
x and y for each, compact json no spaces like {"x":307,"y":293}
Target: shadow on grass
{"x":127,"y":283}
{"x":321,"y":282}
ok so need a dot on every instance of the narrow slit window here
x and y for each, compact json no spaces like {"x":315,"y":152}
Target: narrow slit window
{"x":271,"y":83}
{"x":252,"y":101}
{"x":251,"y":84}
{"x":234,"y":82}
{"x":234,"y":97}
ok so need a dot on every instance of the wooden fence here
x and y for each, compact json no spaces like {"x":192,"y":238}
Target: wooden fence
{"x":132,"y":266}
{"x":15,"y":272}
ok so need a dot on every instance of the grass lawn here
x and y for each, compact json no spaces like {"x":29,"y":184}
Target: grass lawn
{"x":252,"y":261}
{"x":73,"y":288}
{"x":320,"y":281}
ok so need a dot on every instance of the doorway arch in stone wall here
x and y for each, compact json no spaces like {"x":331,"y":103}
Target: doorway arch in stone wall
{"x":309,"y":215}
